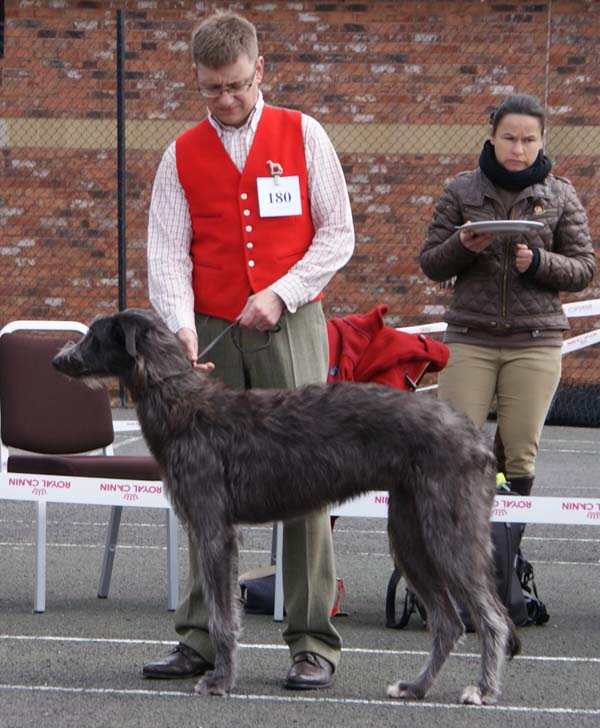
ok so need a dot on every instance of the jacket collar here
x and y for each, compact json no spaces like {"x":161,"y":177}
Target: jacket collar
{"x":482,"y":187}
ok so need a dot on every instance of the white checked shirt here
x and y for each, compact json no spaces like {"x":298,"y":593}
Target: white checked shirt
{"x":170,"y":227}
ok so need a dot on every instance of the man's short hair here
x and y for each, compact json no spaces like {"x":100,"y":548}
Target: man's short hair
{"x":222,"y":38}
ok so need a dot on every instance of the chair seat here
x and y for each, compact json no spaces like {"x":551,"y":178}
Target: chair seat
{"x":128,"y":467}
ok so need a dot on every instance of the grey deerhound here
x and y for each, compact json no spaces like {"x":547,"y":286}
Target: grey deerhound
{"x":231,"y":457}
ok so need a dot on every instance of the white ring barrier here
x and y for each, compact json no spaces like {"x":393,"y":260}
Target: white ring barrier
{"x":374,"y":504}
{"x":572,"y":310}
{"x":91,"y":491}
{"x":507,"y":508}
{"x":590,"y":307}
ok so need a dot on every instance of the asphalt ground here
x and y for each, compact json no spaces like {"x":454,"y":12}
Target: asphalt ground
{"x":79,"y":663}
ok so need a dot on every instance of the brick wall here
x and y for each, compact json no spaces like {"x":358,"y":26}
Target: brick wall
{"x":404,"y":89}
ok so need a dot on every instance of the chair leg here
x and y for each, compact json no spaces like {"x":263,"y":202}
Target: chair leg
{"x":274,"y":545}
{"x":278,"y":607}
{"x":39,"y":587}
{"x":109,"y":550}
{"x":172,"y":562}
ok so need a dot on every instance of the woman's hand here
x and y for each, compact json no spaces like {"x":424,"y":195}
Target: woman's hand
{"x":523,"y":257}
{"x":473,"y":242}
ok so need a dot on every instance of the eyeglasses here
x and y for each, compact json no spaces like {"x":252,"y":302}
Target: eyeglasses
{"x":233,"y":89}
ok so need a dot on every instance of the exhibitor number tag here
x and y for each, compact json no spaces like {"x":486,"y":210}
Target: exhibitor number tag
{"x":279,"y":196}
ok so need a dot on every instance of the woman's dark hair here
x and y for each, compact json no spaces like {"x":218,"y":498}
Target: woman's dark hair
{"x":518,"y":104}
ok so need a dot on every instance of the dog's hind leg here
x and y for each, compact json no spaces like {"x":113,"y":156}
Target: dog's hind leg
{"x":217,"y":561}
{"x":446,"y":628}
{"x":409,"y":548}
{"x":496,"y":632}
{"x":470,"y":577}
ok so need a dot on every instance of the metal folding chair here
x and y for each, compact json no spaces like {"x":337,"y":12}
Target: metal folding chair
{"x":57,"y":422}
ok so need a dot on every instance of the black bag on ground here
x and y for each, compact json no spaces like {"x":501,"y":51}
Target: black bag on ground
{"x":258,"y":590}
{"x":410,"y":606}
{"x":506,"y":538}
{"x":514,"y":582}
{"x":536,"y":609}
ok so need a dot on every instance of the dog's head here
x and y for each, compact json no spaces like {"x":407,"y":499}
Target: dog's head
{"x":134,"y":345}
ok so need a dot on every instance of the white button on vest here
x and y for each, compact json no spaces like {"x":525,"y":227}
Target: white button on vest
{"x":246,"y":212}
{"x":248,"y":228}
{"x":251,"y":264}
{"x":250,"y":245}
{"x":244,"y":196}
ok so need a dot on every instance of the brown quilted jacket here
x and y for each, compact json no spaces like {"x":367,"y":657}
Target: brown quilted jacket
{"x":489,"y":293}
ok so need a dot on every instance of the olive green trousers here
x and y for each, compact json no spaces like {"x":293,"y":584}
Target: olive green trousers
{"x":295,"y":355}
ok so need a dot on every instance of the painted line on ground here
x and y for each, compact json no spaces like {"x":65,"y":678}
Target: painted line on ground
{"x":248,"y":697}
{"x":84,"y":524}
{"x":354,"y":532}
{"x":561,"y":538}
{"x":254,"y":552}
{"x":546,"y":440}
{"x":351,"y":532}
{"x":127,"y":547}
{"x":570,"y":450}
{"x":129,"y":525}
{"x":267,"y":529}
{"x":130,"y":641}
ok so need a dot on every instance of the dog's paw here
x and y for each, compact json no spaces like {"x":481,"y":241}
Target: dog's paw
{"x":471,"y":695}
{"x":474,"y":695}
{"x":405,"y":691}
{"x":208,"y":685}
{"x":489,"y":698}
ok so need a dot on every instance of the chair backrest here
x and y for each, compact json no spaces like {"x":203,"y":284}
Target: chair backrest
{"x":44,"y":411}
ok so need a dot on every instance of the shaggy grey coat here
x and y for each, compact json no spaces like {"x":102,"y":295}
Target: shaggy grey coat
{"x":231,"y":457}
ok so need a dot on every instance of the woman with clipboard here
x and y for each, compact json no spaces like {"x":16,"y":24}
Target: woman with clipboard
{"x":508,"y":237}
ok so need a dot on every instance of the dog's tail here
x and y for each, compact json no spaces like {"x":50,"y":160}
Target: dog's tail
{"x":513,"y":643}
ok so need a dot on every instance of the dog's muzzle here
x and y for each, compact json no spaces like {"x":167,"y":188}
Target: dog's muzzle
{"x":68,"y":361}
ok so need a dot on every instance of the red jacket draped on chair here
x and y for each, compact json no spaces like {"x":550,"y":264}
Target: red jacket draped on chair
{"x":363,"y":349}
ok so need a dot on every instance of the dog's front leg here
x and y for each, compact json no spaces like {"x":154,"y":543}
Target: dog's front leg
{"x":217,"y":553}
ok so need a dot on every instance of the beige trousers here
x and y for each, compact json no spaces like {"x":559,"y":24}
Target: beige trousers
{"x":523,"y":382}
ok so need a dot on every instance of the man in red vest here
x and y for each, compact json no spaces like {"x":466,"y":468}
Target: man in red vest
{"x":249,"y":220}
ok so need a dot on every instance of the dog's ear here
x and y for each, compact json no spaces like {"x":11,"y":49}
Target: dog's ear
{"x":130,"y":330}
{"x":137,"y":378}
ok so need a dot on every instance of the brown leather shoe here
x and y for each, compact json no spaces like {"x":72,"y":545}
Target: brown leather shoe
{"x":309,"y":671}
{"x":181,"y":662}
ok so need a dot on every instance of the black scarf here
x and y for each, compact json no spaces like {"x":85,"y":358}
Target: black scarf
{"x":508,"y":180}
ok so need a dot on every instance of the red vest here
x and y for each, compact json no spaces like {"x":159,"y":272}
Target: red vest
{"x":234,"y":251}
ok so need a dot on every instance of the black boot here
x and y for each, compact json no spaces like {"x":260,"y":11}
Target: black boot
{"x":536,"y":609}
{"x":522,"y":486}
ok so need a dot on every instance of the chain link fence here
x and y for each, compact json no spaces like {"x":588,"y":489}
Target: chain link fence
{"x":404,"y":90}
